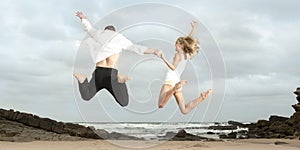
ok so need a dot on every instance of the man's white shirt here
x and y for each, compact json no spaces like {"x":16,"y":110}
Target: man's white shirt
{"x":104,"y":43}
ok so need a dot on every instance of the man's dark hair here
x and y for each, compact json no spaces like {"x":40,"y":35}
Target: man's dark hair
{"x":110,"y":27}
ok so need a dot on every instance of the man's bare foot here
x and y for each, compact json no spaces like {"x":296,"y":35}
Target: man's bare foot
{"x":204,"y":95}
{"x":178,"y":86}
{"x":123,"y":79}
{"x":80,"y":77}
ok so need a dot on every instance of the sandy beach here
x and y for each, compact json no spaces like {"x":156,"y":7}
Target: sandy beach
{"x":249,"y":144}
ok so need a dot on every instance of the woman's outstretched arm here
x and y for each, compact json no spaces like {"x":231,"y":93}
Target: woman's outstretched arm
{"x":171,"y":66}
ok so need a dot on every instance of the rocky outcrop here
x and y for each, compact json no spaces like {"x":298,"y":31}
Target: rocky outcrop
{"x":278,"y":127}
{"x":18,"y":126}
{"x":228,"y":127}
{"x":182,"y":135}
{"x":17,"y":132}
{"x":235,"y":123}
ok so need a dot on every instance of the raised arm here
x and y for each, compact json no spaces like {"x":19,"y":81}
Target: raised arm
{"x":194,"y":25}
{"x":86,"y":24}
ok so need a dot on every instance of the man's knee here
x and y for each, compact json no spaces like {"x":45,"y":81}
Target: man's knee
{"x":124,"y":102}
{"x":86,"y":97}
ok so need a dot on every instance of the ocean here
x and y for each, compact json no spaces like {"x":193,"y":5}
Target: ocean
{"x":157,"y":131}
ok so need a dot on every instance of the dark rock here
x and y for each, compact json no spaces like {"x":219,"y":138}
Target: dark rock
{"x":231,"y":135}
{"x":9,"y":128}
{"x":250,"y":126}
{"x":46,"y":124}
{"x":10,"y":114}
{"x":5,"y":114}
{"x":2,"y":111}
{"x":297,"y":92}
{"x":98,"y":134}
{"x":170,"y":135}
{"x":296,"y":107}
{"x":195,"y":127}
{"x":16,"y":126}
{"x":298,"y":98}
{"x":58,"y":127}
{"x":280,"y":143}
{"x":22,"y":117}
{"x":262,"y":123}
{"x":120,"y":136}
{"x":222,"y":136}
{"x":275,"y":118}
{"x":242,"y":132}
{"x":235,"y":123}
{"x":33,"y":121}
{"x":15,"y":115}
{"x":231,"y":127}
{"x":75,"y":129}
{"x":181,"y":134}
{"x":210,"y":132}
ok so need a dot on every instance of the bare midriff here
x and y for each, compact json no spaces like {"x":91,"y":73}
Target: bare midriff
{"x":109,"y":62}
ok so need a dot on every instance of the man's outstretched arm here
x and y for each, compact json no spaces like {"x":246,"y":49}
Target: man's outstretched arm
{"x":86,"y":24}
{"x":156,"y":52}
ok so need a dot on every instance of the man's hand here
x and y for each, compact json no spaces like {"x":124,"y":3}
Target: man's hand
{"x":80,"y":15}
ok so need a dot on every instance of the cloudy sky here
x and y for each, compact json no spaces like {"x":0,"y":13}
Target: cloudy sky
{"x":256,"y":39}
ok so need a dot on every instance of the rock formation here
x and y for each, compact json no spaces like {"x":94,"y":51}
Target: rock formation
{"x":278,"y":127}
{"x":18,"y":126}
{"x":182,"y":135}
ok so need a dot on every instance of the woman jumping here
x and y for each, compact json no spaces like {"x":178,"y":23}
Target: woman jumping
{"x":186,"y":47}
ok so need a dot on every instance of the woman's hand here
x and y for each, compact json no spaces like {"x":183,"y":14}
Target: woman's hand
{"x":194,"y":24}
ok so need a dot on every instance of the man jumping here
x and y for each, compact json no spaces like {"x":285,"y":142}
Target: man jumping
{"x":105,"y":47}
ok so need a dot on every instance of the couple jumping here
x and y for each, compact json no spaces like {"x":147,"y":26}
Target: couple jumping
{"x":105,"y":47}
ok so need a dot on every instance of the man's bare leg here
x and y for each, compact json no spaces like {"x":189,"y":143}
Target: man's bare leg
{"x":80,"y":77}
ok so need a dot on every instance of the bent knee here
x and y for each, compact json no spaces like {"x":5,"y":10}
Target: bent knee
{"x":124,"y":103}
{"x":184,"y":112}
{"x":161,"y":106}
{"x":86,"y":98}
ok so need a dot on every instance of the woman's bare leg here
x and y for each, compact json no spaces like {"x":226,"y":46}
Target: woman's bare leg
{"x":167,"y":91}
{"x":186,"y":108}
{"x":165,"y":94}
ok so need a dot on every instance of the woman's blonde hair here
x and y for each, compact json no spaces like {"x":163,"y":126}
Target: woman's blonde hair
{"x":190,"y":45}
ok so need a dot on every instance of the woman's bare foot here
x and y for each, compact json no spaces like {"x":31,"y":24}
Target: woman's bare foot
{"x":178,"y":86}
{"x":123,"y":79}
{"x":204,"y":95}
{"x":80,"y":77}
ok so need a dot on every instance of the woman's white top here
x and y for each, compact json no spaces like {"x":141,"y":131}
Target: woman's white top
{"x":174,"y":76}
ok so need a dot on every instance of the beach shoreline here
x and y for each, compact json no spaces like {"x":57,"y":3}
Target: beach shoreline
{"x":245,"y":144}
